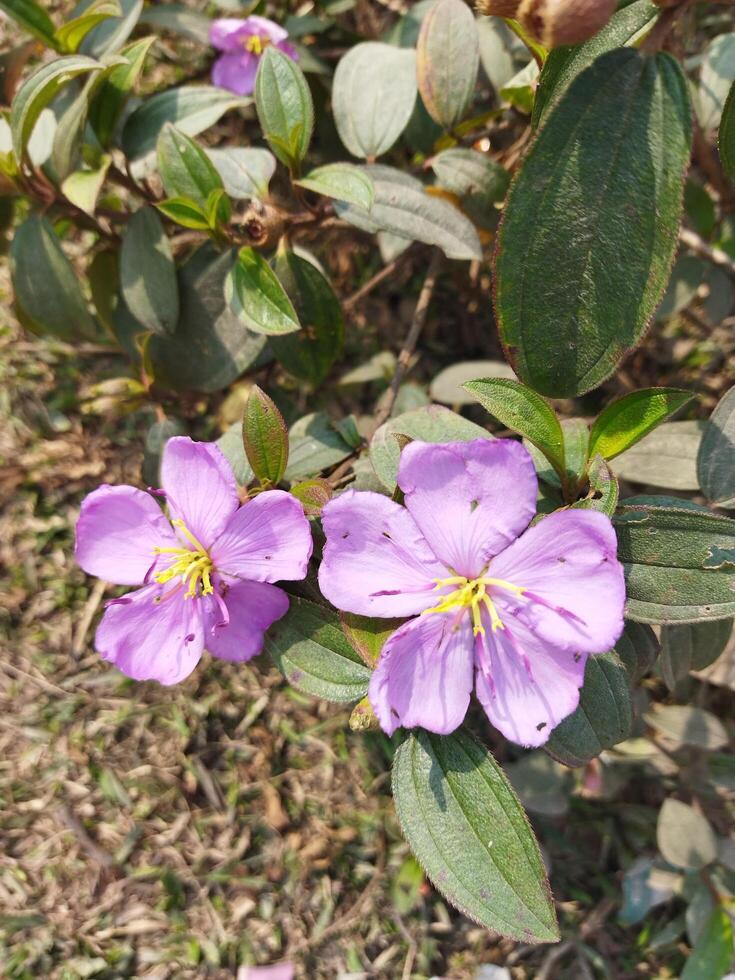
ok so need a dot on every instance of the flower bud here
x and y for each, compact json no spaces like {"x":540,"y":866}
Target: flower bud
{"x":556,"y":22}
{"x":498,"y":8}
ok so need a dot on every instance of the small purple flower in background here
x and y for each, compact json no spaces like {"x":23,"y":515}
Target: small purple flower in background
{"x":242,"y":43}
{"x":515,"y":611}
{"x":205,"y":580}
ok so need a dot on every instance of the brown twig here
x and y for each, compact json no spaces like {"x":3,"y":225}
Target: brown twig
{"x":409,"y":344}
{"x":385,"y":273}
{"x":715,"y":255}
{"x":85,"y":622}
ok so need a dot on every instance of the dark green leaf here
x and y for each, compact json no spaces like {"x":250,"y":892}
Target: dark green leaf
{"x":562,"y":66}
{"x":565,"y":328}
{"x":684,"y":836}
{"x":191,"y":108}
{"x":666,"y":457}
{"x":148,"y":274}
{"x":433,"y":423}
{"x":32,"y":17}
{"x":45,"y":283}
{"x":469,"y":832}
{"x":110,"y":99}
{"x":679,"y":561}
{"x":726,"y":137}
{"x":403,"y":207}
{"x":603,"y":489}
{"x":285,"y":107}
{"x":521,"y":409}
{"x":712,"y":955}
{"x":373,"y":96}
{"x":310,"y":649}
{"x":256,"y":296}
{"x":604,"y":716}
{"x":310,"y":353}
{"x":210,"y":347}
{"x":185,"y":169}
{"x":691,"y":647}
{"x":37,"y":91}
{"x":342,"y":181}
{"x":245,"y":170}
{"x":716,"y":457}
{"x":628,"y":419}
{"x":638,"y":648}
{"x":447,"y":61}
{"x":265,"y":437}
{"x":368,"y":635}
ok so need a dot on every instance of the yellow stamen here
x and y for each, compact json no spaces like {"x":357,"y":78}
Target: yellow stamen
{"x":192,"y":565}
{"x":256,"y":43}
{"x":473,"y":594}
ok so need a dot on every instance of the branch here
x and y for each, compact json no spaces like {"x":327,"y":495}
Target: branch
{"x":715,"y":255}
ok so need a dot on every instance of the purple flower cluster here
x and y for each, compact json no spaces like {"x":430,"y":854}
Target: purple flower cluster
{"x":242,"y":43}
{"x":508,"y":608}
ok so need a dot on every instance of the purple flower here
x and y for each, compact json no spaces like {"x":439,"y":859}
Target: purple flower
{"x":243,"y":42}
{"x":205,"y":580}
{"x":516,"y":611}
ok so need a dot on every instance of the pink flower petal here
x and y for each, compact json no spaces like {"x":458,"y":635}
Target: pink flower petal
{"x":236,"y":72}
{"x":526,"y":686}
{"x":200,"y":488}
{"x":227,"y":33}
{"x":251,"y":608}
{"x":470,"y":499}
{"x":266,"y":28}
{"x":568,"y":560}
{"x":376,"y":561}
{"x":424,"y":675}
{"x":117,"y":531}
{"x":267,"y":540}
{"x":152,"y":638}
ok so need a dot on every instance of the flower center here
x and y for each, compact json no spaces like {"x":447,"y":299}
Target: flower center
{"x":193,"y":565}
{"x":473,"y":594}
{"x":256,"y":43}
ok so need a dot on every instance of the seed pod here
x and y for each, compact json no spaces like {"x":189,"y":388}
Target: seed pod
{"x":498,"y":8}
{"x":556,"y":22}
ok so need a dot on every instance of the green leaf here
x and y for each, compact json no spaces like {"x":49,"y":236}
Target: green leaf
{"x":447,"y":61}
{"x":628,"y":419}
{"x":109,"y":36}
{"x":185,"y":212}
{"x":603,"y":489}
{"x":682,"y":724}
{"x":45,"y":283}
{"x":468,"y":830}
{"x":521,"y":409}
{"x":368,"y":634}
{"x":218,"y":210}
{"x":148,"y":273}
{"x":666,"y":457}
{"x":37,"y":91}
{"x":479,"y":182}
{"x":210,"y":347}
{"x":110,"y":99}
{"x":191,"y":108}
{"x":179,"y":20}
{"x":432,"y":423}
{"x":679,"y":561}
{"x":257,"y":298}
{"x":685,"y":837}
{"x":33,"y":18}
{"x":624,"y":29}
{"x":564,"y":332}
{"x":314,"y":445}
{"x":713,"y":952}
{"x":83,"y":187}
{"x":373,"y":96}
{"x":185,"y":169}
{"x":313,"y":494}
{"x":690,"y":647}
{"x":520,"y":90}
{"x":403,"y":207}
{"x":604,"y":716}
{"x":448,"y":386}
{"x":342,"y":181}
{"x":716,"y":456}
{"x":715,"y":79}
{"x":265,"y":437}
{"x":638,"y":648}
{"x":310,"y":353}
{"x":285,"y":107}
{"x":726,"y":136}
{"x":310,"y":649}
{"x":70,"y":35}
{"x":245,"y":170}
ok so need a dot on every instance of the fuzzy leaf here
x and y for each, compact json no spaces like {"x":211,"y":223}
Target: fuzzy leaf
{"x":265,"y":437}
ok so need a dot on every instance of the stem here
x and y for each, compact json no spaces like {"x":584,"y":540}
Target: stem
{"x":409,"y":344}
